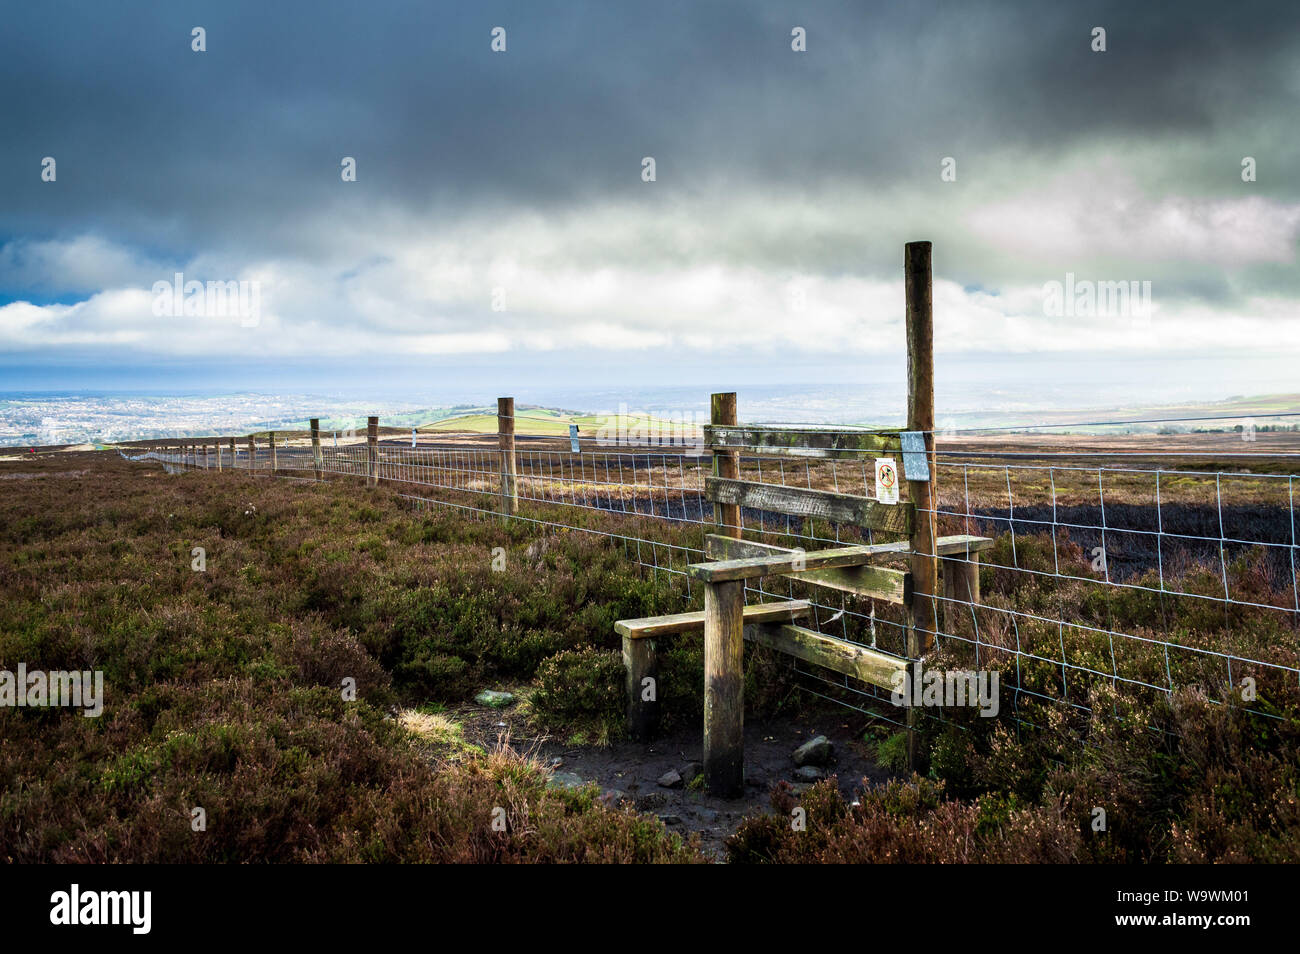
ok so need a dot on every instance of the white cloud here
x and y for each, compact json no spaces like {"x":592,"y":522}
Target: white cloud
{"x":1103,"y":214}
{"x":714,"y":274}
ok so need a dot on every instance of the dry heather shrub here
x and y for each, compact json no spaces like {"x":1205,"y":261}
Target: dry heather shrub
{"x":451,"y":821}
{"x":905,"y":822}
{"x":325,"y":657}
{"x":582,"y":688}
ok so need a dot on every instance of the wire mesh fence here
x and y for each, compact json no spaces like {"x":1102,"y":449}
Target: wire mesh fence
{"x":1148,"y":571}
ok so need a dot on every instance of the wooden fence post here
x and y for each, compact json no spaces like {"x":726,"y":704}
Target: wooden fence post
{"x":922,"y":615}
{"x":372,"y":442}
{"x":315,"y":446}
{"x":726,"y":463}
{"x":234,"y":457}
{"x":724,"y":664}
{"x":641,"y":660}
{"x":724,"y":688}
{"x":271,"y":439}
{"x":961,"y":585}
{"x":252,"y":454}
{"x":509,"y":466}
{"x":219,"y":467}
{"x":205,"y":455}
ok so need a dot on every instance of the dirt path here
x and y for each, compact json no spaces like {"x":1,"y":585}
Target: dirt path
{"x":629,"y":770}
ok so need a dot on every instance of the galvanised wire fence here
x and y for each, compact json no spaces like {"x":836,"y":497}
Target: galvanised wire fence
{"x":1139,"y":567}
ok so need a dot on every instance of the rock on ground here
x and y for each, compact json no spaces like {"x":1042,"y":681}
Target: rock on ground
{"x":670,"y":779}
{"x":814,"y":752}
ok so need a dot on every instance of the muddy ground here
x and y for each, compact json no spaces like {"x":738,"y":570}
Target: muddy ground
{"x":629,"y":771}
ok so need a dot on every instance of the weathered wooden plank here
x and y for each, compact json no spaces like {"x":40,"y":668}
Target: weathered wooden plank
{"x":963,"y":543}
{"x":724,"y":689}
{"x":876,"y":582}
{"x":718,"y":547}
{"x":793,"y":442}
{"x":867,"y":665}
{"x":780,"y":564}
{"x":803,"y":502}
{"x":651,"y":626}
{"x":724,"y":548}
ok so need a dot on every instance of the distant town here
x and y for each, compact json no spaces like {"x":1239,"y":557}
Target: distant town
{"x":106,"y":419}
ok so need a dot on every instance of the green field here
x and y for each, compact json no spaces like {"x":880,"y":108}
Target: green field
{"x":544,"y":422}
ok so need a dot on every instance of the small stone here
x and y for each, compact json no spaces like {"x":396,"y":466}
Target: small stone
{"x":495,"y":699}
{"x":670,"y":779}
{"x":691,"y":772}
{"x":813,"y":752}
{"x":556,"y":761}
{"x":670,"y":819}
{"x":809,"y":773}
{"x":613,"y":797}
{"x":566,"y":780}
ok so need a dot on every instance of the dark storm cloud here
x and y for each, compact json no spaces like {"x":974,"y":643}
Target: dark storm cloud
{"x":173,"y":151}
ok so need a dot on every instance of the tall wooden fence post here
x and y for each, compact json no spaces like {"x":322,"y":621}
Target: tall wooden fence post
{"x":205,"y":455}
{"x":252,"y":454}
{"x":372,"y":447}
{"x":726,"y":463}
{"x":315,"y":446}
{"x":724,"y":617}
{"x":271,"y":441}
{"x":219,"y":467}
{"x":923,"y":619}
{"x":509,"y":466}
